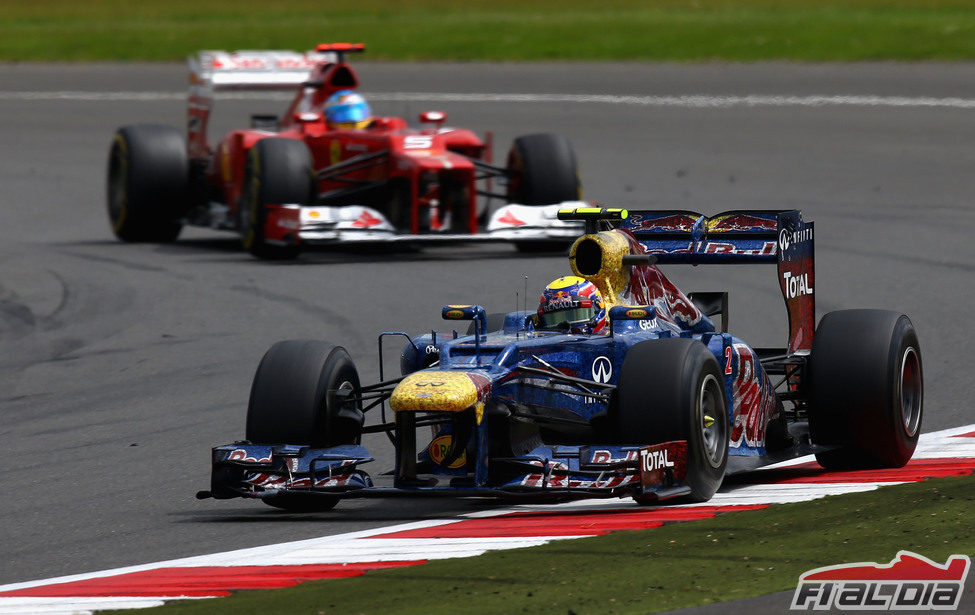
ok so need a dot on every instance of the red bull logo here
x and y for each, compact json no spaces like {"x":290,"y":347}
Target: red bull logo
{"x":676,"y":222}
{"x":741,"y":222}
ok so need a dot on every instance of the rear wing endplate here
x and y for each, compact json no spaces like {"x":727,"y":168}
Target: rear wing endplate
{"x":740,"y":236}
{"x":215,"y":71}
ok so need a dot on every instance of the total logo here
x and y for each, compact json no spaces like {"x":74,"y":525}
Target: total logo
{"x":651,"y":461}
{"x":796,"y":285}
{"x":786,"y":238}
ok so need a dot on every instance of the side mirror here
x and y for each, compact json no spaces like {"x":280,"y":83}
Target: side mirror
{"x":433,"y":117}
{"x":622,"y":312}
{"x":467,"y":312}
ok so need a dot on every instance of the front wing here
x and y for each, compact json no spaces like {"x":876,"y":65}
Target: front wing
{"x":562,"y":472}
{"x":316,"y":225}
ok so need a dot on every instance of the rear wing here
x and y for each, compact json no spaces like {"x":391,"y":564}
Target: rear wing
{"x":740,"y":236}
{"x":271,"y":70}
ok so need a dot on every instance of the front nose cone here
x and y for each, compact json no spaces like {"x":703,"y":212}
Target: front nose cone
{"x":439,"y":391}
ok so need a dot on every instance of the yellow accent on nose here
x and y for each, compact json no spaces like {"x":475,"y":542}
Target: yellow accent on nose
{"x":434,"y":391}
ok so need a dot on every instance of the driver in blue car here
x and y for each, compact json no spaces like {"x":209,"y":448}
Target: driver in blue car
{"x":574,"y":305}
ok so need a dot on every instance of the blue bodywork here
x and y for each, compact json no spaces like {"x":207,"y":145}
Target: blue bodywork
{"x":560,"y":381}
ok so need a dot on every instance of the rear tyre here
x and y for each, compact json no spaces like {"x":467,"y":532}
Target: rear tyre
{"x":277,"y":171}
{"x":294,"y":397}
{"x":148,"y":177}
{"x":865,"y":389}
{"x":672,"y":389}
{"x":542,"y":170}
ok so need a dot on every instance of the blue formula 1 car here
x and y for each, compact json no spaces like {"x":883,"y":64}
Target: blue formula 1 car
{"x":619,"y":385}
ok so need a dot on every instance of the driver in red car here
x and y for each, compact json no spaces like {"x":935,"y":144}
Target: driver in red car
{"x":348,"y":110}
{"x":574,"y":305}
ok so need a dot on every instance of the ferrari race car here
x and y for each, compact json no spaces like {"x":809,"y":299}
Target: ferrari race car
{"x":327,"y":171}
{"x":660,"y":404}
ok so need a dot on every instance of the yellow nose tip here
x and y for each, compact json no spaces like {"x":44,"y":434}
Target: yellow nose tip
{"x":438,"y":391}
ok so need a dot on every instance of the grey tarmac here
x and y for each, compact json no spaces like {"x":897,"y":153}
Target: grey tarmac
{"x":121,"y":365}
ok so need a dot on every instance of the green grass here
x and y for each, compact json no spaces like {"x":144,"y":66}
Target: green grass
{"x":742,"y":30}
{"x":684,"y":564}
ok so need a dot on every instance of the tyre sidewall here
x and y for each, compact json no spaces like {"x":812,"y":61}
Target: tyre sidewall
{"x":276,"y":171}
{"x":293,"y":399}
{"x":854,"y":389}
{"x":148,"y":183}
{"x":543,"y":170}
{"x":658,"y":401}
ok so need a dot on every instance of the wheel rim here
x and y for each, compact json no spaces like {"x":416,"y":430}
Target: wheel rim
{"x":345,"y":386}
{"x":713,"y":429}
{"x":911,"y":391}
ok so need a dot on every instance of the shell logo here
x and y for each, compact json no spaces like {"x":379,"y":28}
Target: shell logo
{"x":438,"y":452}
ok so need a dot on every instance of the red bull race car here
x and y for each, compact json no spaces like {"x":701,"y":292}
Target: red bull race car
{"x":618,"y":385}
{"x":328,"y":171}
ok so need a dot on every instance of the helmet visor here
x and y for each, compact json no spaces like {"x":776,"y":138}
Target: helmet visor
{"x":571,"y":316}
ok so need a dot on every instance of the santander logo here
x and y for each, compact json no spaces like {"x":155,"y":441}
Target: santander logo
{"x":366,"y":220}
{"x":510,"y":218}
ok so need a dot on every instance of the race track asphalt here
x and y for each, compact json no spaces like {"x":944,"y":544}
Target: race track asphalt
{"x":121,"y":365}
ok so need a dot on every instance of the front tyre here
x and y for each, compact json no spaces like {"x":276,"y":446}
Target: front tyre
{"x":277,"y":171}
{"x":672,"y":389}
{"x":542,"y":170}
{"x":296,"y":399}
{"x":301,"y":502}
{"x":866,"y":389}
{"x":148,"y":179}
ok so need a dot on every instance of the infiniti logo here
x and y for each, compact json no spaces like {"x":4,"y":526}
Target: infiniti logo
{"x":602,"y":370}
{"x":784,"y":240}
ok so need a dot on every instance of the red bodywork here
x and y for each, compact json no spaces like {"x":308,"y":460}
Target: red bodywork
{"x":424,"y":159}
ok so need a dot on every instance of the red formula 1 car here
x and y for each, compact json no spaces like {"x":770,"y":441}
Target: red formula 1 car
{"x":305,"y":178}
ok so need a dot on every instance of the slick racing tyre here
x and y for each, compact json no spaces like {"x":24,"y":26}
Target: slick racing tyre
{"x":277,"y":171}
{"x":148,"y":177}
{"x":672,"y":389}
{"x":295,"y":399}
{"x":301,"y":502}
{"x":865,"y":389}
{"x":542,"y":170}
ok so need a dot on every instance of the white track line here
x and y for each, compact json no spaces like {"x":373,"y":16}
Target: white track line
{"x":358,"y":547}
{"x":696,"y":101}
